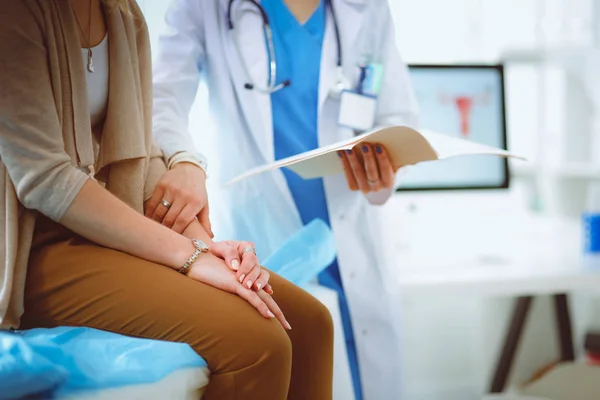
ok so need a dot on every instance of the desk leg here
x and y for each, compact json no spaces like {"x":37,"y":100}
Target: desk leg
{"x":563,"y":326}
{"x":511,"y":341}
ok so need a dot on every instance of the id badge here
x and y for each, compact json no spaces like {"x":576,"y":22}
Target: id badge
{"x":357,"y":111}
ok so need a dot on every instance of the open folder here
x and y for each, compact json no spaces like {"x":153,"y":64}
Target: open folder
{"x":405,"y":146}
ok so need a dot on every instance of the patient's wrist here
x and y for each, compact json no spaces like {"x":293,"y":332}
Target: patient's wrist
{"x":200,"y":248}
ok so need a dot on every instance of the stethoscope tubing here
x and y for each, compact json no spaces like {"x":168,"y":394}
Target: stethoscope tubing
{"x":272,"y":87}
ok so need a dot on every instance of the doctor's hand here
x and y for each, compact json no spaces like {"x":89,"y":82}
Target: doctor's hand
{"x":179,"y":198}
{"x":211,"y":270}
{"x":241,"y":258}
{"x":368,"y":168}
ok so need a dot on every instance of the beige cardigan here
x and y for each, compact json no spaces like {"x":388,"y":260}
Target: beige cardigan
{"x":46,"y":148}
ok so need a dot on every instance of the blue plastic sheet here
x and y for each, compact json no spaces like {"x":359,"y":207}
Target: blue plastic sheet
{"x":66,"y":360}
{"x":304,"y":255}
{"x":51,"y":363}
{"x":23,"y":371}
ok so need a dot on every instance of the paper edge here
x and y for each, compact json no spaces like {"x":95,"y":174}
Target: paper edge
{"x":350,"y":143}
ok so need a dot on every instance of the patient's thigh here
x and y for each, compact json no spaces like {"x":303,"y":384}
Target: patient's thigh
{"x":81,"y":284}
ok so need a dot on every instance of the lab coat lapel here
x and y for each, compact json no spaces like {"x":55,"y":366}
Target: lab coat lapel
{"x":255,"y":105}
{"x":349,"y":20}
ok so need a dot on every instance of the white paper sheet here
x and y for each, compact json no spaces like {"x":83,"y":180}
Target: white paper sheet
{"x":405,"y":146}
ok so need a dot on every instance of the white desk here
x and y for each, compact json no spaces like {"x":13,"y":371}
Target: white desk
{"x":536,"y":275}
{"x":541,"y":256}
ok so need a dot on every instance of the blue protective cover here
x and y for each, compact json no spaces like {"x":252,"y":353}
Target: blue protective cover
{"x":304,"y":255}
{"x":24,"y":371}
{"x":50,"y":363}
{"x":65,"y":360}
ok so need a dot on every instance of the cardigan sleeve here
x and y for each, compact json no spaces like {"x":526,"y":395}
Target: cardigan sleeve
{"x":31,"y":138}
{"x":156,"y":169}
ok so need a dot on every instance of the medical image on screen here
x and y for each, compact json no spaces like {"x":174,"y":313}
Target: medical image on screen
{"x":464,"y":102}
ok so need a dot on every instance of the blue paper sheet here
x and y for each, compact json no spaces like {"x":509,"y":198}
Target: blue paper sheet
{"x":304,"y":255}
{"x":70,"y":359}
{"x":23,"y":371}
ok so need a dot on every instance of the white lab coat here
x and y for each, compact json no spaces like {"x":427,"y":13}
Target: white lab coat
{"x":197,"y":44}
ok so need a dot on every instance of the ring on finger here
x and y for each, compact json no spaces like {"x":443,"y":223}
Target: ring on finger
{"x":249,"y":249}
{"x":165,"y":203}
{"x":372,"y":182}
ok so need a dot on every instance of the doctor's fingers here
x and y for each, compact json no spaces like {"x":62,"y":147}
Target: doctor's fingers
{"x":359,"y":171}
{"x":386,"y":169}
{"x":173,"y":213}
{"x":204,"y":219}
{"x":185,"y":217}
{"x":153,"y":205}
{"x":371,"y":168}
{"x":162,"y":209}
{"x":352,"y":184}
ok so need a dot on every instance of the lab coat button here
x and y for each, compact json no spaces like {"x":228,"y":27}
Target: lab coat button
{"x":352,"y":275}
{"x":342,"y":216}
{"x":364,"y":332}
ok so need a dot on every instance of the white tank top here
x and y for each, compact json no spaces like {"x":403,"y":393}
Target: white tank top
{"x":97,"y":81}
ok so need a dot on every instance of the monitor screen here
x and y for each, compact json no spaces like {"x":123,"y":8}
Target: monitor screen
{"x":465,"y":101}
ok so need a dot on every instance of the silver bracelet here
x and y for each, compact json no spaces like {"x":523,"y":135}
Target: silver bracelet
{"x":201,"y":247}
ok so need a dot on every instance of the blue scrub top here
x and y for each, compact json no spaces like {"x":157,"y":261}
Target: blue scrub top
{"x":295,"y":126}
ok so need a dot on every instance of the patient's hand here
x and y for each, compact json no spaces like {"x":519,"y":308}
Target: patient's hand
{"x":211,"y":270}
{"x":241,"y":258}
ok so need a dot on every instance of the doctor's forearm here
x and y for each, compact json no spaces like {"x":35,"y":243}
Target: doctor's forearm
{"x":172,"y":142}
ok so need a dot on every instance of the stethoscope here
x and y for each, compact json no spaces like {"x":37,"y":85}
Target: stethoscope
{"x":341,"y":82}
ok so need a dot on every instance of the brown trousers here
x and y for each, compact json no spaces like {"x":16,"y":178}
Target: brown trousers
{"x":77,"y":283}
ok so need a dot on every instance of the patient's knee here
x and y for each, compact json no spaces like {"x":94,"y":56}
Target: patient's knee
{"x":272,"y":344}
{"x":261,"y":345}
{"x":320,"y":319}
